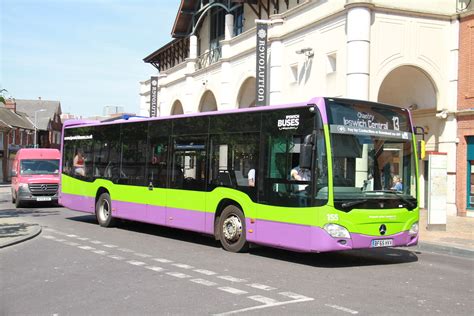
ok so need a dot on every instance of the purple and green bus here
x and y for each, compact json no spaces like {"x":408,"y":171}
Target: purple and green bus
{"x":325,"y":175}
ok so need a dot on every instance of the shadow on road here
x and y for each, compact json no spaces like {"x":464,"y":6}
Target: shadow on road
{"x":340,"y":259}
{"x":343,"y":259}
{"x":33,"y":212}
{"x":14,"y":230}
{"x":156,"y":230}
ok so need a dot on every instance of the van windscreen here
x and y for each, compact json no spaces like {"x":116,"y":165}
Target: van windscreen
{"x":39,"y":166}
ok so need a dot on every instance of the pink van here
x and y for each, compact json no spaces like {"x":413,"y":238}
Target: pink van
{"x":35,"y":176}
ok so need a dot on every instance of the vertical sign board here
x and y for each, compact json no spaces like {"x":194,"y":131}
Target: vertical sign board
{"x":261,"y":66}
{"x":437,"y":191}
{"x":153,"y":96}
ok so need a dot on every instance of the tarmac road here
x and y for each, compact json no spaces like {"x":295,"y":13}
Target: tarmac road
{"x":75,"y":267}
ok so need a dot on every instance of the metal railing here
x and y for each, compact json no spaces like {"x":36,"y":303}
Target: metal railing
{"x":208,"y":58}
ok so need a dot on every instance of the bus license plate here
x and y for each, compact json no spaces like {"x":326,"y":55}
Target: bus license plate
{"x":382,"y":243}
{"x":43,"y":198}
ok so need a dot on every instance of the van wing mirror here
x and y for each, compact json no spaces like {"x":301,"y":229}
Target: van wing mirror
{"x":13,"y":173}
{"x":306,"y":152}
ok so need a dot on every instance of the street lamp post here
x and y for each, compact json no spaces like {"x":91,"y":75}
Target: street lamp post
{"x":36,"y":128}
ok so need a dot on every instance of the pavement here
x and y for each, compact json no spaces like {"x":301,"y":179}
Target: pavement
{"x":457,"y":239}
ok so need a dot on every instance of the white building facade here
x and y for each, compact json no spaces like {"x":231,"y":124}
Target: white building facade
{"x":398,"y":52}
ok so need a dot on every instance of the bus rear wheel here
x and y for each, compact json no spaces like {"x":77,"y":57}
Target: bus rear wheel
{"x":103,"y":211}
{"x":232,"y":229}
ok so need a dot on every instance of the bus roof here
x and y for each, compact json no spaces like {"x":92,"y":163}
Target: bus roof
{"x":319,"y":101}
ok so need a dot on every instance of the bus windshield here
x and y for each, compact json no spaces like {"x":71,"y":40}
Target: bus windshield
{"x":372,"y":156}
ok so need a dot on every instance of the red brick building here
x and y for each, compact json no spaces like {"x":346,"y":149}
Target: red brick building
{"x":465,"y":117}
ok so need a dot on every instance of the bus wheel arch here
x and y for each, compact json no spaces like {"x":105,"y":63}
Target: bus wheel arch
{"x":229,"y":226}
{"x":103,"y":208}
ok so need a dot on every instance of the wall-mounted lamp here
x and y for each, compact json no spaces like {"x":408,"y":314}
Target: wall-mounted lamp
{"x":307,"y":51}
{"x":442,"y":115}
{"x":413,"y":107}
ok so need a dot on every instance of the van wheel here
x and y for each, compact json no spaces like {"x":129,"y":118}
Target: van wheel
{"x":18,"y":202}
{"x":103,"y":211}
{"x":232,"y":233}
{"x":13,"y":197}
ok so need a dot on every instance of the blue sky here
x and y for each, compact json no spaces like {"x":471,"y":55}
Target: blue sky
{"x":84,"y":53}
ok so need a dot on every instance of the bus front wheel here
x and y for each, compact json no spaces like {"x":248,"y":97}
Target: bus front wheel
{"x":103,"y":210}
{"x":232,"y":229}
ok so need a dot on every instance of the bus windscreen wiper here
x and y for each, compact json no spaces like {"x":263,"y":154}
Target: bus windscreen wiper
{"x":399,"y":195}
{"x":353,"y":203}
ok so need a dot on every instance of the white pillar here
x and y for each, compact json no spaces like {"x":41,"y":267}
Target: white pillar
{"x":193,"y":46}
{"x":448,"y":138}
{"x":453,"y":65}
{"x":276,"y":59}
{"x":225,"y":93}
{"x":162,"y":95}
{"x":358,"y":52}
{"x":229,"y":26}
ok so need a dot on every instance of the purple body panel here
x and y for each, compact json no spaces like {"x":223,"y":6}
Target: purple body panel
{"x":295,"y":237}
{"x":315,"y":239}
{"x":172,"y":217}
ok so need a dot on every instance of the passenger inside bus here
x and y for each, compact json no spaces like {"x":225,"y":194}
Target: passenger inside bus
{"x":79,"y":163}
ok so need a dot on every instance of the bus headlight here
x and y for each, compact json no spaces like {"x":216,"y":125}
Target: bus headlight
{"x":414,"y":229}
{"x":337,"y":231}
{"x":23,"y":186}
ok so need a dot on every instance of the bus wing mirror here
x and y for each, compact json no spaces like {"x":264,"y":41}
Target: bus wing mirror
{"x":13,"y":173}
{"x":306,"y":152}
{"x":421,"y":149}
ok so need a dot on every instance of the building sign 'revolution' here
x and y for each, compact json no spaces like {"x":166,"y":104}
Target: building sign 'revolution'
{"x":261,"y":66}
{"x":153,"y":96}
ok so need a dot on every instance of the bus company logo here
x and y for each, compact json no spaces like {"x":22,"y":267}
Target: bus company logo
{"x":154,"y":82}
{"x":262,"y":33}
{"x":290,"y":122}
{"x":341,"y":129}
{"x":404,"y":135}
{"x":383,"y":229}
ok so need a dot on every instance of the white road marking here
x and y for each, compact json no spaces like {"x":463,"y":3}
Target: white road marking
{"x":182,"y":266}
{"x":49,"y":237}
{"x":342,"y":308}
{"x":101,"y":252}
{"x":71,"y":235}
{"x":261,"y":287}
{"x":294,"y":296}
{"x":263,"y":299}
{"x":231,"y":278}
{"x":206,"y":272}
{"x":178,"y":275}
{"x":116,"y":257}
{"x":162,"y":260}
{"x":125,"y":250}
{"x":136,"y":263}
{"x":265,"y":306}
{"x":97,"y":242}
{"x":86,"y":248}
{"x":143,"y":255}
{"x":110,"y":246}
{"x":83,"y":238}
{"x":70,"y":243}
{"x":232,"y":290}
{"x":203,"y":282}
{"x":155,"y":268}
{"x":60,"y":240}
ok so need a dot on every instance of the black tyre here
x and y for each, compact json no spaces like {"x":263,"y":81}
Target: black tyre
{"x":103,"y":211}
{"x":232,"y":233}
{"x":18,"y":202}
{"x":13,"y":197}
